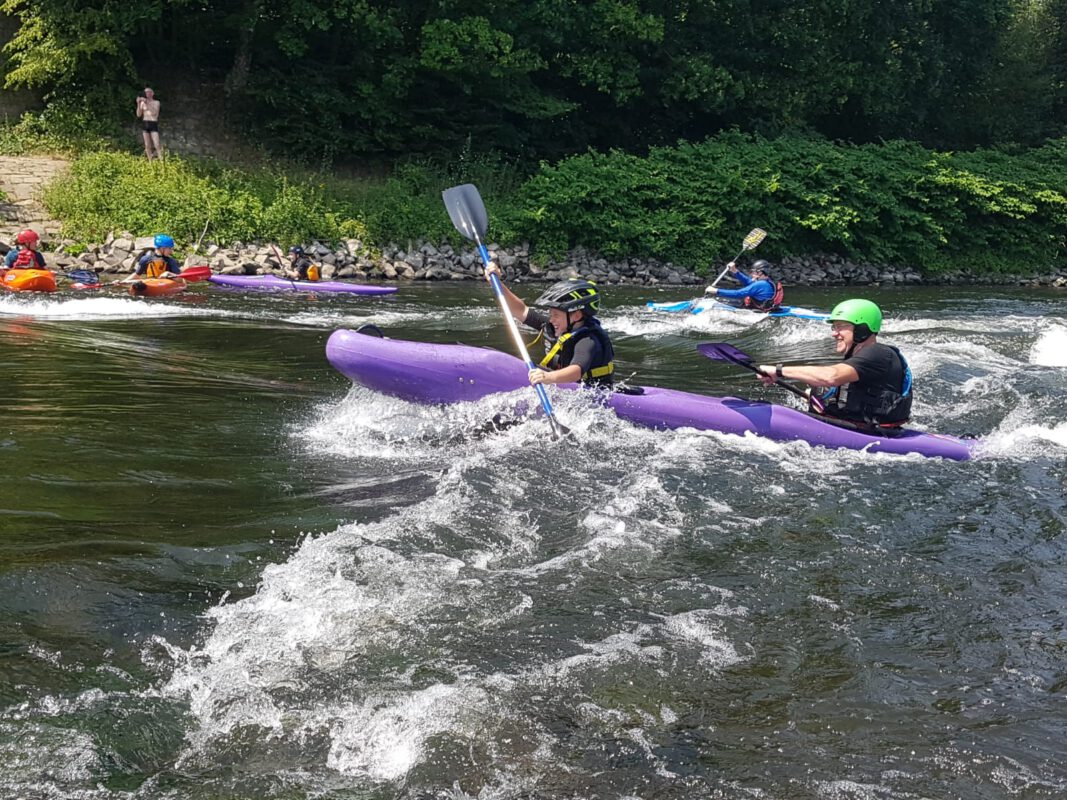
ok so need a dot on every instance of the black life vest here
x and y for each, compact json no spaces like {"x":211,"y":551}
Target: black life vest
{"x":306,"y":269}
{"x":872,"y":405}
{"x":559,"y":352}
{"x":767,"y":305}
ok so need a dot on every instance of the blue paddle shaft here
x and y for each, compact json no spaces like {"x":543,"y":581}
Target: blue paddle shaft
{"x":498,"y":290}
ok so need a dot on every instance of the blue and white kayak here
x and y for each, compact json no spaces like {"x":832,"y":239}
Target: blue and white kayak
{"x":707,"y":304}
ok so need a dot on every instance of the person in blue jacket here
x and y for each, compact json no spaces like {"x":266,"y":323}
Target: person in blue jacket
{"x":758,"y":292}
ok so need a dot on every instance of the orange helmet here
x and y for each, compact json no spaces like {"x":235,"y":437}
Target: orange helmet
{"x":28,"y":236}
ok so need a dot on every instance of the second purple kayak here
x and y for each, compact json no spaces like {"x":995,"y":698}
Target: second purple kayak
{"x":448,"y":373}
{"x":272,"y":283}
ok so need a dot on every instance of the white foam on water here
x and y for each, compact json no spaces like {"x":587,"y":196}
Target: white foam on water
{"x":646,"y":322}
{"x":386,"y":316}
{"x":852,"y":790}
{"x":367,"y":424}
{"x":1050,"y":349}
{"x":338,"y":598}
{"x":45,"y":761}
{"x":641,"y":515}
{"x":701,"y":628}
{"x":968,"y":325}
{"x":87,"y":308}
{"x":925,"y":356}
{"x":382,"y":738}
{"x":345,"y":319}
{"x":1025,"y":440}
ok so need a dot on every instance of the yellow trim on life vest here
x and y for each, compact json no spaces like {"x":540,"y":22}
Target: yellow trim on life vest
{"x":595,"y":372}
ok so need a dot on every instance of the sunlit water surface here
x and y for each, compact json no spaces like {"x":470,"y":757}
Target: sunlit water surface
{"x":225,"y":573}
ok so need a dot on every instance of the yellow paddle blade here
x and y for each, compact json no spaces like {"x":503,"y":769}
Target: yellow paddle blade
{"x":755,"y":236}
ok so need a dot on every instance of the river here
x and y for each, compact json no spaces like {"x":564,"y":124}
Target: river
{"x":226,"y":573}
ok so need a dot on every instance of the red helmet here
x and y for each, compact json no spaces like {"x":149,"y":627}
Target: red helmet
{"x":28,"y":236}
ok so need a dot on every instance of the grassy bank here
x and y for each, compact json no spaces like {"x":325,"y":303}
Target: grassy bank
{"x":895,"y":203}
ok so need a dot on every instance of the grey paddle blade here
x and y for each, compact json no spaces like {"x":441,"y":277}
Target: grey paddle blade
{"x":467,"y":211}
{"x":720,"y":351}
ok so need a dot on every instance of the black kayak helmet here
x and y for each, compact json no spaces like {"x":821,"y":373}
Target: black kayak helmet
{"x":571,"y":295}
{"x":764,"y":267}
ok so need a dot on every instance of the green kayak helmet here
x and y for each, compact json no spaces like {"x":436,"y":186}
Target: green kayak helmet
{"x":863,"y":314}
{"x":571,"y":295}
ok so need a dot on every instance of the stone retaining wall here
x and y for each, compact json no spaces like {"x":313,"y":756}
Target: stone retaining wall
{"x":424,"y":261}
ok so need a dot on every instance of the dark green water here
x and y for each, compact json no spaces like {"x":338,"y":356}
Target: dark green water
{"x":224,"y":573}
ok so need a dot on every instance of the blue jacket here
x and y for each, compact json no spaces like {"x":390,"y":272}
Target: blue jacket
{"x":761,"y":291}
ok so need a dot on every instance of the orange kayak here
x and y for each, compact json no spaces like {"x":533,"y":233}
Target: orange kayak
{"x":30,"y":280}
{"x":156,"y":287}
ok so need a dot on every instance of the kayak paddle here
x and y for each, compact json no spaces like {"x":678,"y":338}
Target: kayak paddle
{"x":84,"y":279}
{"x":467,"y":212}
{"x":750,"y":242}
{"x":720,"y":351}
{"x":281,"y":265}
{"x":195,"y":273}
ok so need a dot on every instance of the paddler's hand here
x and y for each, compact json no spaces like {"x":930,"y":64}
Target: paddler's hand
{"x":766,"y":374}
{"x":711,"y":290}
{"x":732,"y":267}
{"x":490,"y":268}
{"x":537,"y":376}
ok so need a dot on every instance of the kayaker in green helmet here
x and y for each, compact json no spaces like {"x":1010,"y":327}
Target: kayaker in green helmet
{"x":577,"y":348}
{"x":871,"y":387}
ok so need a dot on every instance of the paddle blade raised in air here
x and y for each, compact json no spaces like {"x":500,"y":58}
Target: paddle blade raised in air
{"x":467,"y":211}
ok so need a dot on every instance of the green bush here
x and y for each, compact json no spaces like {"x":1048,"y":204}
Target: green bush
{"x":104,"y":192}
{"x":53,"y":130}
{"x":108,"y":191}
{"x":893,"y":203}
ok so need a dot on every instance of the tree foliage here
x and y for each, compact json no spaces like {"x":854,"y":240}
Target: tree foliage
{"x":546,"y":78}
{"x":894,"y":203}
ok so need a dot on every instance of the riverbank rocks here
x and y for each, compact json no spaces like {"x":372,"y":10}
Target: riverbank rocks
{"x":419,"y":260}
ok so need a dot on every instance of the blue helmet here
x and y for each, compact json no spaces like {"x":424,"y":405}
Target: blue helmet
{"x":162,"y":240}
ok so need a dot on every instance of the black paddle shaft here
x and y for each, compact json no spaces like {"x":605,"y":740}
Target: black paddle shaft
{"x":721,"y":351}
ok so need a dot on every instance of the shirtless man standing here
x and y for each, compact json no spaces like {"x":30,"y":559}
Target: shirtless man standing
{"x":148,"y":112}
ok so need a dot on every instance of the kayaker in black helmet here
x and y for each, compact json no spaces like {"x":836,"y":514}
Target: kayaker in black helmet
{"x":301,"y":268}
{"x":758,"y":292}
{"x":577,"y":349}
{"x":871,"y":387}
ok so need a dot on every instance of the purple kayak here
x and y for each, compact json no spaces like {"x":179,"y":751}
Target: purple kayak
{"x":450,"y":373}
{"x":272,"y":283}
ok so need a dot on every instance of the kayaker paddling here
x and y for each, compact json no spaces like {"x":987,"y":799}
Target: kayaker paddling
{"x":871,"y":387}
{"x":758,"y":292}
{"x":577,"y":348}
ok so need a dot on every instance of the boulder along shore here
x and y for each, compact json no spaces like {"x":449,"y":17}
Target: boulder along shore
{"x":350,"y":259}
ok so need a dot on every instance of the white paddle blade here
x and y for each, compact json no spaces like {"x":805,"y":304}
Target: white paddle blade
{"x":755,"y":236}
